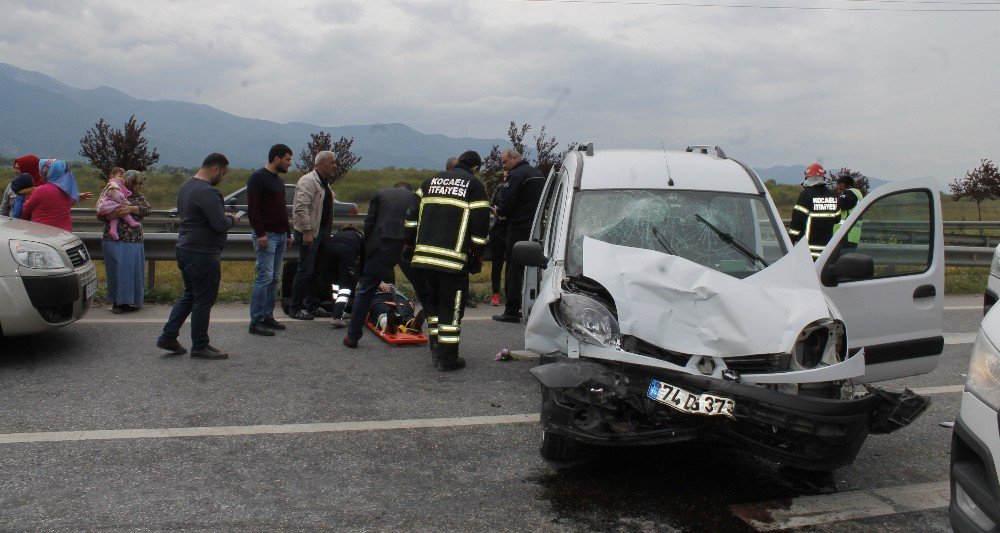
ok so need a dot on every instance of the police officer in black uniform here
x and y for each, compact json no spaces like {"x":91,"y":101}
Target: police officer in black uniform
{"x":815,"y":213}
{"x":448,"y":234}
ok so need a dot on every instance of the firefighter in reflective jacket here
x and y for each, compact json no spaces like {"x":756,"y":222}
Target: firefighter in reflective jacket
{"x":848,"y":198}
{"x":815,"y":213}
{"x":446,"y":237}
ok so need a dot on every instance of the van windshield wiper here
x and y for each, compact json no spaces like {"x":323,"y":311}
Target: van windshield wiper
{"x":663,"y":242}
{"x":730,"y":240}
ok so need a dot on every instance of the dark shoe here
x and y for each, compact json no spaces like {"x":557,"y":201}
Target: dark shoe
{"x":271,"y":323}
{"x":319,"y":312}
{"x":418,"y":321}
{"x":209,"y":352}
{"x":448,"y":366}
{"x":302,"y":315}
{"x":339,"y":323}
{"x":171,"y":346}
{"x":507,"y":318}
{"x":118,"y":309}
{"x":470,"y":303}
{"x":259,"y":329}
{"x":349,"y":342}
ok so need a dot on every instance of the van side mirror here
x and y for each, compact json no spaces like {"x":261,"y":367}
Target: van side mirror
{"x":848,"y":267}
{"x":530,"y":253}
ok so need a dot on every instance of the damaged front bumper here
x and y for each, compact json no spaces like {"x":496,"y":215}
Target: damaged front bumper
{"x":606,"y":403}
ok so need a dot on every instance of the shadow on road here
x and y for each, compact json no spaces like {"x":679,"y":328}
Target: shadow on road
{"x":37,"y":350}
{"x":685,"y":487}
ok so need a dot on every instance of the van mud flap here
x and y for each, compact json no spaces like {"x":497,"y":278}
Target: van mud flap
{"x":896,"y":409}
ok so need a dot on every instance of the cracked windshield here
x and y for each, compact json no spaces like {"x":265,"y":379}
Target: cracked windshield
{"x":679,"y":223}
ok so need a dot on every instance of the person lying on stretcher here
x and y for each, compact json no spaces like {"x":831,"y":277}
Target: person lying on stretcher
{"x":392,"y":312}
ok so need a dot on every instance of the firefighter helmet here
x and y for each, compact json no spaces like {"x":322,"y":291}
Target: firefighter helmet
{"x":815,"y":169}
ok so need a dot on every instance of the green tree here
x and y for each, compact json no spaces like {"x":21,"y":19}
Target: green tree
{"x":978,"y":185}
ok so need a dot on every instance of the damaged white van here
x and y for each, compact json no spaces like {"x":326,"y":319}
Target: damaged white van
{"x":668,"y":305}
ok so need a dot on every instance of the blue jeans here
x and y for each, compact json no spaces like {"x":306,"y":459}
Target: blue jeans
{"x":202,"y":274}
{"x":265,"y":287}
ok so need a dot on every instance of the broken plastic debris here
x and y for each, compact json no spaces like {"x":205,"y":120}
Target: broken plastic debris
{"x":504,"y":355}
{"x":946,"y":424}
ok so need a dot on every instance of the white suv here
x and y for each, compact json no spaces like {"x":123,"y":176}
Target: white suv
{"x":668,"y":304}
{"x":47,"y":279}
{"x":975,"y":444}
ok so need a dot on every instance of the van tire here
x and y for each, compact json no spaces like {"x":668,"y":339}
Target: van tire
{"x":556,"y":447}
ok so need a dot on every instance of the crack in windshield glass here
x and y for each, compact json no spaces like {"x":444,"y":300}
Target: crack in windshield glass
{"x":629,"y":218}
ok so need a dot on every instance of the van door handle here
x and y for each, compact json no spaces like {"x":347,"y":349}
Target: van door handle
{"x":924,"y":291}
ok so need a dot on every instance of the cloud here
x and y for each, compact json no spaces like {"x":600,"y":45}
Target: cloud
{"x":893,"y":95}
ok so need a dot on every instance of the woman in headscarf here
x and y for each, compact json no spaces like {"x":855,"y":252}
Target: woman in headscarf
{"x":124,"y":258}
{"x":51,"y":202}
{"x":26,"y":165}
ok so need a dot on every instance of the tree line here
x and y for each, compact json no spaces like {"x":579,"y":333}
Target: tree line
{"x":106,"y":147}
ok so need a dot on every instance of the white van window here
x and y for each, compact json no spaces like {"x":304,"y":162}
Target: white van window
{"x":678,"y":223}
{"x":897,"y":231}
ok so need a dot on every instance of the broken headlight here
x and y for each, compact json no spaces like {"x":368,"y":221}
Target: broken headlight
{"x":821,"y":342}
{"x":588,"y":320}
{"x":984,"y":372}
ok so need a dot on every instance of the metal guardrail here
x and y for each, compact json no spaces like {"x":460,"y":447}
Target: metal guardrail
{"x":164,"y":221}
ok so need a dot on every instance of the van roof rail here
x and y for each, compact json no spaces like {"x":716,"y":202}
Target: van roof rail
{"x":589,"y":148}
{"x":707,"y":149}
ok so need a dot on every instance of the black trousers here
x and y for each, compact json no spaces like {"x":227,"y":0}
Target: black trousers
{"x":305,"y":288}
{"x":498,"y":249}
{"x":515,"y":273}
{"x":379,"y":264}
{"x":340,"y":274}
{"x":444,"y":310}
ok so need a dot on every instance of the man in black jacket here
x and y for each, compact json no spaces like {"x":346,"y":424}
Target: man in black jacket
{"x":516,"y":205}
{"x":341,"y":260}
{"x":448,"y":235}
{"x":384,"y":234}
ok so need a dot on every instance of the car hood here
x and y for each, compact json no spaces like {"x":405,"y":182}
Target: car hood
{"x":12,"y":228}
{"x":687,"y":308}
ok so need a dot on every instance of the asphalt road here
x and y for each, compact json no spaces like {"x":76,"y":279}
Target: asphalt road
{"x":100,"y":431}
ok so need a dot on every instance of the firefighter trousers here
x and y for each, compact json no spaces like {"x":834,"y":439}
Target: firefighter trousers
{"x":444,"y":310}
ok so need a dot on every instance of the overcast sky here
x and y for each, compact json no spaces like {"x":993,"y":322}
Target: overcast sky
{"x":892,"y":94}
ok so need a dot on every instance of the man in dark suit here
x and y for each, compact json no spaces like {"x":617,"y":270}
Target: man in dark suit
{"x":384,"y":234}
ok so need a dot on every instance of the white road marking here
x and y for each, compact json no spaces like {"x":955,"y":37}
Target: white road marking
{"x":271,"y":429}
{"x":948,"y":389}
{"x":127,"y":321}
{"x":959,"y":338}
{"x":817,"y":510}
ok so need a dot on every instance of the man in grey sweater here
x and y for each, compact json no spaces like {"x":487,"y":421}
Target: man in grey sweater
{"x":201,"y":237}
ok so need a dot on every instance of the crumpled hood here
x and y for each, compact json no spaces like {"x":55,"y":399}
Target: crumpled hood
{"x":685,"y":307}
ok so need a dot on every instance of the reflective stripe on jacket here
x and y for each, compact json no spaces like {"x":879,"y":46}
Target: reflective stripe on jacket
{"x":815,"y":214}
{"x":451,"y":222}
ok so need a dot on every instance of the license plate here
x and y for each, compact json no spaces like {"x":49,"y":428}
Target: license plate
{"x":689,"y":402}
{"x":89,"y":289}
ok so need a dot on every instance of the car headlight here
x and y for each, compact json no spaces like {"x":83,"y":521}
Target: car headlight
{"x":36,"y":255}
{"x":588,"y":320}
{"x":984,"y":372}
{"x":995,"y":265}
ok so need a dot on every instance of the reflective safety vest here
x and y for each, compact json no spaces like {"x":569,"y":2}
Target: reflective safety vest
{"x":813,"y":218}
{"x":854,"y":235}
{"x":451,"y":222}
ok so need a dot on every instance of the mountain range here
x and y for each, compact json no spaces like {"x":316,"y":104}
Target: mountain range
{"x":42,"y":115}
